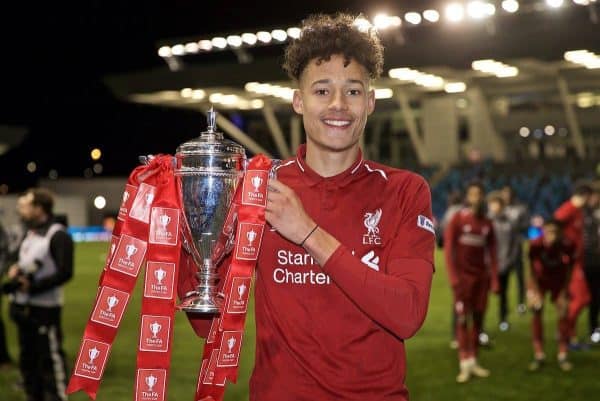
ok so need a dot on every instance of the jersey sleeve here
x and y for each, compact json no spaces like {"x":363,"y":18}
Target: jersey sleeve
{"x":568,"y":215}
{"x":535,"y":261}
{"x":415,"y":238}
{"x":571,"y":251}
{"x":566,"y":212}
{"x":398,"y":296}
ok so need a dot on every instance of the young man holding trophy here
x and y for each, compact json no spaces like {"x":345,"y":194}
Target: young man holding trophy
{"x":344,"y":274}
{"x":344,"y":266}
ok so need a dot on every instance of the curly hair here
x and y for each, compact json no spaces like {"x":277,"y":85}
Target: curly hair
{"x":325,"y":35}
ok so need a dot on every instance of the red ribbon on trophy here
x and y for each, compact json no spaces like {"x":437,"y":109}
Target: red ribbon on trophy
{"x":220,"y":359}
{"x":148,"y":230}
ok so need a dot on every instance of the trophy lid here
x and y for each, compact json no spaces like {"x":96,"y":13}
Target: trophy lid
{"x":210,"y":151}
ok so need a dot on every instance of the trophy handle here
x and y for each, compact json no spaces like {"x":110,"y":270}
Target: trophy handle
{"x":229,"y":245}
{"x":184,"y":228}
{"x":230,"y":242}
{"x":275,"y":164}
{"x":145,"y":159}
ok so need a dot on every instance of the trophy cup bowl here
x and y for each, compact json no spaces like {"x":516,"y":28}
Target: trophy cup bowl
{"x":209,"y":169}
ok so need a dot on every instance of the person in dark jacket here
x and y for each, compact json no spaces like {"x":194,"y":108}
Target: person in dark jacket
{"x":508,"y":242}
{"x":519,"y":215}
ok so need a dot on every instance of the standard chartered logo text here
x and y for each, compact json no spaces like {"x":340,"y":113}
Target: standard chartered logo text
{"x":284,"y":275}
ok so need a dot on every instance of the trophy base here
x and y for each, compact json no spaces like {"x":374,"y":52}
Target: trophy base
{"x":198,"y":304}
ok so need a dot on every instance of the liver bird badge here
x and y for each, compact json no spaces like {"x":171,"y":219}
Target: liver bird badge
{"x":371,"y":221}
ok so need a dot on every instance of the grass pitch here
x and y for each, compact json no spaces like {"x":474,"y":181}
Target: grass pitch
{"x":432,"y":365}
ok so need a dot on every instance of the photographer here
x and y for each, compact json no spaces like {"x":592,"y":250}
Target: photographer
{"x":45,"y":264}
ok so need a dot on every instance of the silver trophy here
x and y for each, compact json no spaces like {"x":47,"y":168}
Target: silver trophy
{"x":210,"y":168}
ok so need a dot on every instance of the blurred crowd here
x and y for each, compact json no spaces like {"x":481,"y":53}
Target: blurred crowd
{"x":486,"y":237}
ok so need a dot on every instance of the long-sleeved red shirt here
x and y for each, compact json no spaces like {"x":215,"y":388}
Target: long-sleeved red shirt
{"x":572,"y":219}
{"x":469,"y":247}
{"x":336,"y":332}
{"x":550,"y":264}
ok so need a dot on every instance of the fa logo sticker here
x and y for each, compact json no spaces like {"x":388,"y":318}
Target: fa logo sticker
{"x":371,"y":221}
{"x":425,"y":223}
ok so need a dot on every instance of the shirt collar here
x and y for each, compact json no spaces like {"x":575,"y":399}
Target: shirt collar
{"x":340,"y":180}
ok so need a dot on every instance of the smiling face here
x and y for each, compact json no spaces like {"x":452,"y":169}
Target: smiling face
{"x":334,"y":101}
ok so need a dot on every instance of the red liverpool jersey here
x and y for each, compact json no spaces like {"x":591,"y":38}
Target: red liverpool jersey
{"x":337,"y":332}
{"x":550,"y":264}
{"x":470,"y":246}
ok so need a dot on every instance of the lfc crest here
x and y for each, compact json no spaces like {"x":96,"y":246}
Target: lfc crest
{"x":371,"y":222}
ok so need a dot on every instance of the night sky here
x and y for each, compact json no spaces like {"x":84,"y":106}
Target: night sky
{"x":55,"y":55}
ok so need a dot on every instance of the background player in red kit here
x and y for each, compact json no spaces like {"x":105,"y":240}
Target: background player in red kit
{"x":570,"y":215}
{"x":469,"y":244}
{"x":551,"y":258}
{"x":344,"y":276}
